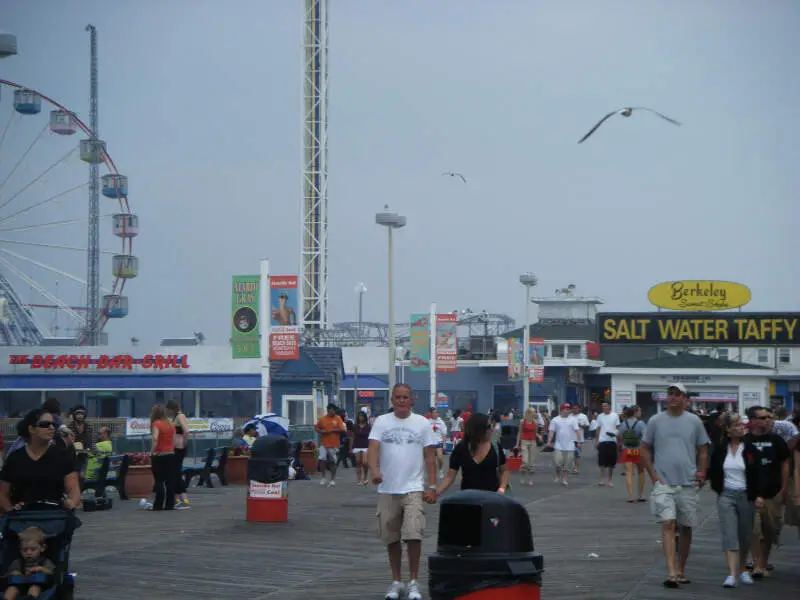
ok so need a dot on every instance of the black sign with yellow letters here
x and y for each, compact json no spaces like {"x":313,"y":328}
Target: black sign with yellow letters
{"x":702,"y":328}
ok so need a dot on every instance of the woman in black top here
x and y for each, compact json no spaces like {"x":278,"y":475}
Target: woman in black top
{"x":178,"y":420}
{"x":481,"y":462}
{"x":40,"y":470}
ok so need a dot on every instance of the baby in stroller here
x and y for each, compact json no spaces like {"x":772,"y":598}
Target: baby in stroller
{"x":33,"y":561}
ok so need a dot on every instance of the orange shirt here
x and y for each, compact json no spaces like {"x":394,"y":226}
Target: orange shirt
{"x":326,"y":423}
{"x":166,"y":436}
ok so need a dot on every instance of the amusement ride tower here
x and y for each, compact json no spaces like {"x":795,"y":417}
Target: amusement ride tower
{"x":314,"y":252}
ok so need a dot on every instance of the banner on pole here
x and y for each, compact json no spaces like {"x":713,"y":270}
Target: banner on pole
{"x":420,"y":351}
{"x":535,"y":360}
{"x":514,"y":359}
{"x":244,"y":317}
{"x":446,"y":343}
{"x":284,"y":339}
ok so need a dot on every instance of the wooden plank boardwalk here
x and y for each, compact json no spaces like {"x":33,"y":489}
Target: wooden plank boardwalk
{"x":329,"y":547}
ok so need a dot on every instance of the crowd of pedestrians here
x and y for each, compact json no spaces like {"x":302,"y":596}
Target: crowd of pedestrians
{"x":746,"y":459}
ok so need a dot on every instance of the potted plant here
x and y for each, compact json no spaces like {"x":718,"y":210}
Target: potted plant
{"x":236,"y":469}
{"x":308,"y":457}
{"x":139,"y":481}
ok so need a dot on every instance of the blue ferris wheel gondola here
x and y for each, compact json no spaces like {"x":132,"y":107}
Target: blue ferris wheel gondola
{"x":270,"y":424}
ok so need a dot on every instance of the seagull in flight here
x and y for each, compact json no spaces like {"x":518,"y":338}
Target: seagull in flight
{"x":454,"y":174}
{"x":625,"y":112}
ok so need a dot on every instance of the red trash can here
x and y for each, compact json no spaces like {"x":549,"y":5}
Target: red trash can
{"x":267,"y":475}
{"x":268,"y":502}
{"x":484,"y":550}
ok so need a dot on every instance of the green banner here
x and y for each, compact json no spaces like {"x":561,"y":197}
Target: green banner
{"x":244,"y":317}
{"x":420,"y":351}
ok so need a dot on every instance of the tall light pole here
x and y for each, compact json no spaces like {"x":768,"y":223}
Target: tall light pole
{"x":391,"y":220}
{"x":360,"y":290}
{"x":528,"y":280}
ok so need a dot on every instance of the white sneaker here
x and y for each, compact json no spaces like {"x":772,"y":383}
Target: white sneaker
{"x":412,"y":591}
{"x":730,"y":582}
{"x":331,"y":483}
{"x":323,"y":482}
{"x":145,"y":505}
{"x":395,"y":591}
{"x":746,"y":578}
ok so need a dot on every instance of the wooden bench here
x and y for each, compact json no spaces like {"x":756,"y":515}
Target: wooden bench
{"x":216,"y":459}
{"x":113,"y":471}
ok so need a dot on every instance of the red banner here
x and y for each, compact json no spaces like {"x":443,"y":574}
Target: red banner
{"x":284,"y":346}
{"x":446,"y":343}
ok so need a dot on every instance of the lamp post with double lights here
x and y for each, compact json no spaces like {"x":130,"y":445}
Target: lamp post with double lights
{"x":528,"y":280}
{"x":391,"y":220}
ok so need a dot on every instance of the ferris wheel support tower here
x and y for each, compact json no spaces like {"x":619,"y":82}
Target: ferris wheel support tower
{"x":314,"y":252}
{"x":93,"y":248}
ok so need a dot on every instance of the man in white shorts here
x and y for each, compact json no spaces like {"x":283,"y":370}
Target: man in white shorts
{"x":401,"y":456}
{"x":675,"y":453}
{"x":563,"y":437}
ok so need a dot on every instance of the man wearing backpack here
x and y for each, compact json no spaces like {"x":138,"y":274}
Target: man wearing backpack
{"x":631,"y":432}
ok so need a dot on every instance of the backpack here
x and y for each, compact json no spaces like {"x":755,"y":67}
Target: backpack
{"x":630,"y":439}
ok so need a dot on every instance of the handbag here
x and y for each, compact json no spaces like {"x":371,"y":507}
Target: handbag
{"x":497,"y":451}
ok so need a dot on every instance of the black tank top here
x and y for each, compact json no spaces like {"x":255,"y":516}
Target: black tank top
{"x":176,"y":422}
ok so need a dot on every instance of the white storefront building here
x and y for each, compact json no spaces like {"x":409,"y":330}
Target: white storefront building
{"x":711,"y":383}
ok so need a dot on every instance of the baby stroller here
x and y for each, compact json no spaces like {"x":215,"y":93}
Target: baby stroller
{"x":58,"y":525}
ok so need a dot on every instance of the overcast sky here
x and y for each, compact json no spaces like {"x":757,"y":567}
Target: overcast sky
{"x":201,"y":106}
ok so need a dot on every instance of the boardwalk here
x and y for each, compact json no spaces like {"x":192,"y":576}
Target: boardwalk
{"x":329,"y":548}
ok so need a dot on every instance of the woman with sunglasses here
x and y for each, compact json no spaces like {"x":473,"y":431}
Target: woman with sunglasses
{"x":40,"y":471}
{"x":481,"y":461}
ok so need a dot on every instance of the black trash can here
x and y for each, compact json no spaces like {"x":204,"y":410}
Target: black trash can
{"x":269,"y":459}
{"x":484,"y":550}
{"x":508,"y":434}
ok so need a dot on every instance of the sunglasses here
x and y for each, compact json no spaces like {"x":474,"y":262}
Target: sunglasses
{"x":45,"y":424}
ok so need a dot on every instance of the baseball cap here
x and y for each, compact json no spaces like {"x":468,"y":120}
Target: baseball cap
{"x":678,"y":386}
{"x":565,"y":406}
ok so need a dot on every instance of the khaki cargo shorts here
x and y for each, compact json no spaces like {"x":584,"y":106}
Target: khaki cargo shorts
{"x":768,"y":521}
{"x":674,"y":503}
{"x":401,"y":517}
{"x":563,"y":459}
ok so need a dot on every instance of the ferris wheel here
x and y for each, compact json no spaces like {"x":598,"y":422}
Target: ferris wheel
{"x":44,"y":221}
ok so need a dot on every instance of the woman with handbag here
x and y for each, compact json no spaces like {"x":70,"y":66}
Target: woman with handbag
{"x":482,"y":462}
{"x":529,"y":440}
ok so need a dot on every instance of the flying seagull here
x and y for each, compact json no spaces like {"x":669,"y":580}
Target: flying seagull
{"x":454,"y":174}
{"x":626,"y":112}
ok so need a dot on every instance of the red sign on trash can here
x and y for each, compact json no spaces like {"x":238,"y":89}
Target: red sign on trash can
{"x":268,"y":502}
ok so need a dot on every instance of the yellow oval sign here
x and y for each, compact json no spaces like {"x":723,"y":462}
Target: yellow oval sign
{"x":699,"y":295}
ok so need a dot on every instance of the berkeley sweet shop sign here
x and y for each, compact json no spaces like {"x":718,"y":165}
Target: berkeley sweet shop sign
{"x":84,"y":362}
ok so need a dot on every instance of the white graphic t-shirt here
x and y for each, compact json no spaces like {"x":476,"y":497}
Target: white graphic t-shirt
{"x":402,"y":442}
{"x":439,"y":427}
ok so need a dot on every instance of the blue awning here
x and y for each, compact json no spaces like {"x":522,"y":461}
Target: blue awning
{"x":365,"y":382}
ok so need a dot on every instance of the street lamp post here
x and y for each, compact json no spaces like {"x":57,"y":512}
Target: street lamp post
{"x":528,"y":280}
{"x":391,"y":220}
{"x":360,"y":289}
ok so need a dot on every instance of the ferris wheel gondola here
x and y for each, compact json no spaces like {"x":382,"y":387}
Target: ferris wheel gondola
{"x":42,"y":208}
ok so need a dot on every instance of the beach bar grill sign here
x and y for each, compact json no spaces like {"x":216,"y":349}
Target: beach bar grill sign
{"x":695,"y":295}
